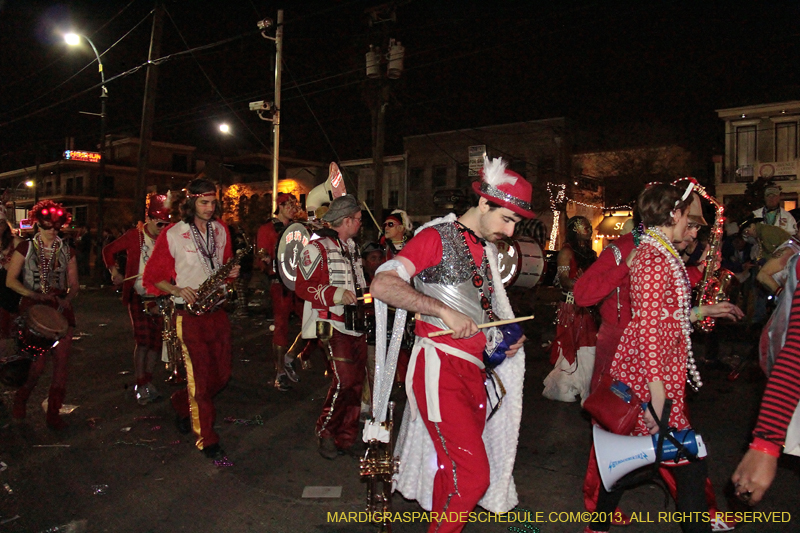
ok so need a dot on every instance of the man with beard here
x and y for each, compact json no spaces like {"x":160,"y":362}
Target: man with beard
{"x":454,"y":289}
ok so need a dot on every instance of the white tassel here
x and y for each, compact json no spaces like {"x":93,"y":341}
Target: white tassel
{"x":494,"y":172}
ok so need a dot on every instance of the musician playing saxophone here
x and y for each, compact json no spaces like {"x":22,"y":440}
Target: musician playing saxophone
{"x":138,"y":244}
{"x":185,"y":255}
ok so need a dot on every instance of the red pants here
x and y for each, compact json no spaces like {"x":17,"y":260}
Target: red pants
{"x":463,"y":475}
{"x":147,"y":328}
{"x":284,"y":302}
{"x":206,"y":341}
{"x":342,"y":407}
{"x":60,"y":356}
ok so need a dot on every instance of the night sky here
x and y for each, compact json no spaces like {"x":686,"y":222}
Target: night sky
{"x":659,"y":69}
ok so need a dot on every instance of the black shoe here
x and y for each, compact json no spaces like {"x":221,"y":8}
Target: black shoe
{"x":327,"y":448}
{"x":183,"y":425}
{"x":282,"y":383}
{"x":214,"y":452}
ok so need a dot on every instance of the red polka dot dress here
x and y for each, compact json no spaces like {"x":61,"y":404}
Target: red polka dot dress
{"x":654,"y":346}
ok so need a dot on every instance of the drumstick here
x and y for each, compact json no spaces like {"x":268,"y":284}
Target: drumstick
{"x":132,"y":277}
{"x":486,"y":325}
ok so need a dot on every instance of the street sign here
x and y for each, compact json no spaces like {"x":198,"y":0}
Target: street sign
{"x":476,"y":155}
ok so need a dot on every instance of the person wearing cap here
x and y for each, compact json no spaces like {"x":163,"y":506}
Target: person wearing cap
{"x":186,"y":254}
{"x":330,"y":277}
{"x":138,"y":244}
{"x":772,"y":212}
{"x":44,"y":271}
{"x":396,"y":231}
{"x":456,"y":287}
{"x":284,"y":301}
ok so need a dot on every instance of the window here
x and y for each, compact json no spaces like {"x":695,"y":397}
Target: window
{"x":70,"y":187}
{"x":80,"y":215}
{"x":463,"y":179}
{"x":786,"y":141}
{"x":78,"y":184}
{"x":370,"y":197}
{"x":394,"y":199}
{"x":180,"y":163}
{"x":48,"y":188}
{"x":439,"y":177}
{"x":415,"y":179}
{"x":745,"y":150}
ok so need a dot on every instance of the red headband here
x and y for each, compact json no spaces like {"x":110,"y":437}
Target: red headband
{"x":209,"y":193}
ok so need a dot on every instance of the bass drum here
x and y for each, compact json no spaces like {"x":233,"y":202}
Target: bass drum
{"x":521,"y":262}
{"x":291,"y":243}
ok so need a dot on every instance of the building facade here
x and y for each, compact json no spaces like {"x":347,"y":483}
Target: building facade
{"x":761,"y":141}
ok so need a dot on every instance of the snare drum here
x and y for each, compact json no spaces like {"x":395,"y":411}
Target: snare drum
{"x":521,"y":262}
{"x":41,"y":327}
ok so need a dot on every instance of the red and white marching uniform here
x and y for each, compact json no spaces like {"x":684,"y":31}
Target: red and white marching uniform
{"x":284,"y":301}
{"x":206,"y":339}
{"x":138,"y":245}
{"x":328,"y":267}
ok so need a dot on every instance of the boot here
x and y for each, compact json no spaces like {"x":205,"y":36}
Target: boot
{"x":20,"y":400}
{"x":281,"y":379}
{"x":54,"y":403}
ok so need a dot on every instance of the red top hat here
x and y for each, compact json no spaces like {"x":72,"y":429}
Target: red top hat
{"x":504,"y":187}
{"x":159,"y":207}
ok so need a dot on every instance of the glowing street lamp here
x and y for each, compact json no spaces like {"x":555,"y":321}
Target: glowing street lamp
{"x":73,"y":39}
{"x":224,"y":128}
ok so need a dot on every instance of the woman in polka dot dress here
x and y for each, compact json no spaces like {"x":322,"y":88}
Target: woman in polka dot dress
{"x":654,"y":355}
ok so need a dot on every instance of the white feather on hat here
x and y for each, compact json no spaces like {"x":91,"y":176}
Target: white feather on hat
{"x":494,"y":172}
{"x":404,"y":218}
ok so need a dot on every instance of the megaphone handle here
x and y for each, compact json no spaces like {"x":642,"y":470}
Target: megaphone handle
{"x":663,"y":426}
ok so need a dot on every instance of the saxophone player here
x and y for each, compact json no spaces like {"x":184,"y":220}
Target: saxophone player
{"x":185,"y":255}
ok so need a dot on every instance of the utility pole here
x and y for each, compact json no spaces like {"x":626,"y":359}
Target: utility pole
{"x":148,"y":111}
{"x":381,"y":92}
{"x":274,"y":108}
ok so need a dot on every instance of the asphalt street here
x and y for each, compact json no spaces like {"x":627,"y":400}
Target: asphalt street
{"x":121,"y":467}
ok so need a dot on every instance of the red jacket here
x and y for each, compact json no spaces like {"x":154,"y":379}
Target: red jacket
{"x":129,"y":242}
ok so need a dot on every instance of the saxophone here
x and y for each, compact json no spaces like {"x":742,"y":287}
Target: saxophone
{"x":213,"y":291}
{"x":716,"y":282}
{"x":169,"y":336}
{"x":377,"y":468}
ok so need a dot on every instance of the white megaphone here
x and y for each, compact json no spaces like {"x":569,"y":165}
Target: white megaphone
{"x":618,"y":455}
{"x":327,"y":191}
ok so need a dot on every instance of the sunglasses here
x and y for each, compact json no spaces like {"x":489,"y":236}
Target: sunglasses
{"x":390,"y":224}
{"x":162,"y":224}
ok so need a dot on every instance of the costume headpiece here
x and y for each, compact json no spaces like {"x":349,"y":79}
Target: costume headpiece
{"x":402,"y":217}
{"x":160,"y":207}
{"x":504,"y":187}
{"x":49,"y":212}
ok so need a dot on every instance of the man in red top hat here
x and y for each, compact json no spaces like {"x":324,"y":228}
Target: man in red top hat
{"x":138,"y":243}
{"x":454,"y":288}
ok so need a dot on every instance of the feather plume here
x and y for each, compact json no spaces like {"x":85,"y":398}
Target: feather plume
{"x":494,"y":172}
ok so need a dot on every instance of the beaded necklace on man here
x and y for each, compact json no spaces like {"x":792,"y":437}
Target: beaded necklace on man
{"x":477,"y":278}
{"x":207,"y":247}
{"x":656,"y":238}
{"x":143,"y":248}
{"x":46,"y":255}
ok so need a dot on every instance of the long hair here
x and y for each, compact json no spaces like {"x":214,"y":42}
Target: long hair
{"x":657,"y":203}
{"x":584,"y":255}
{"x":189,"y":205}
{"x":6,"y":235}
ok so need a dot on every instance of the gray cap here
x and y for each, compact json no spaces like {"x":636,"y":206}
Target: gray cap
{"x":341,"y":207}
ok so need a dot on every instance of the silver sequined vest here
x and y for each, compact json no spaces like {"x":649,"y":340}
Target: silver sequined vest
{"x":451,"y":280}
{"x":57,"y":275}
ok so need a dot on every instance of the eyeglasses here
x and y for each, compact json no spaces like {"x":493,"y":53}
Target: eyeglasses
{"x":389,"y":224}
{"x":693,"y":225}
{"x":357,"y":219}
{"x":162,"y":224}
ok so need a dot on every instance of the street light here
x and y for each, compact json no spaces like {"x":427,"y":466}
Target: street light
{"x":74,"y":39}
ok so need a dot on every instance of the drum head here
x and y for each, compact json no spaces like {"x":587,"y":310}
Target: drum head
{"x":508,"y":261}
{"x":293,"y":240}
{"x":46,"y":321}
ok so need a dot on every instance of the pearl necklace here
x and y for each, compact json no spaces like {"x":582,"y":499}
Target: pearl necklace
{"x":656,"y":238}
{"x":144,"y":250}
